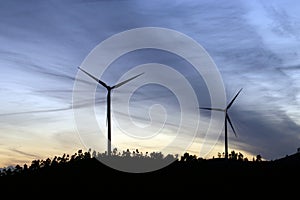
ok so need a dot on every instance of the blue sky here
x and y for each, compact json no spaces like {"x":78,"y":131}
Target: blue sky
{"x":255,"y":45}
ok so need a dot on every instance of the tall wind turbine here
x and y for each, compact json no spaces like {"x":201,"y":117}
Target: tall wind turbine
{"x":226,"y":119}
{"x":109,"y":89}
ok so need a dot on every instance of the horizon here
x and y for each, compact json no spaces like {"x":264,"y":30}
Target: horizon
{"x":133,"y":153}
{"x":254,"y":45}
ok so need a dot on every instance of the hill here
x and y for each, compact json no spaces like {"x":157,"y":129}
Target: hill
{"x":83,"y":170}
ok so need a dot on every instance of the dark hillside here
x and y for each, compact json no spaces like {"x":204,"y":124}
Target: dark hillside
{"x":187,"y":172}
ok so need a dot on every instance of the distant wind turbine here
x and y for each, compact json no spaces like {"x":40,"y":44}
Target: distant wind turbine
{"x":226,"y":119}
{"x":109,"y":88}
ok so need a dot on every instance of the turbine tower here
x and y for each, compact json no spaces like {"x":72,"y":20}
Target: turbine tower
{"x":109,"y":89}
{"x":226,"y":119}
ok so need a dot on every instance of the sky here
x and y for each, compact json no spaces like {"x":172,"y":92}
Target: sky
{"x":255,"y":46}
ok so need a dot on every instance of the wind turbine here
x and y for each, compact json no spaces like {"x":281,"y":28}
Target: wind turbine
{"x":109,"y":89}
{"x":226,"y":119}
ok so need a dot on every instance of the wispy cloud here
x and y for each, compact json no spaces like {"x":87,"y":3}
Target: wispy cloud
{"x":254,"y":44}
{"x":32,"y":156}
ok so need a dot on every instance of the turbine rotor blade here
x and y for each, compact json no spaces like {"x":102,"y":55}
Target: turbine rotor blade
{"x":124,"y":82}
{"x":231,"y":102}
{"x":216,"y":109}
{"x":228,"y":119}
{"x":99,"y":81}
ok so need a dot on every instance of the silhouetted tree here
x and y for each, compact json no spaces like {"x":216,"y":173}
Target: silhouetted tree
{"x":83,"y":164}
{"x":25,"y":167}
{"x":35,"y":165}
{"x":18,"y":169}
{"x":233,"y":155}
{"x":240,"y":156}
{"x":46,"y":163}
{"x":258,"y":158}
